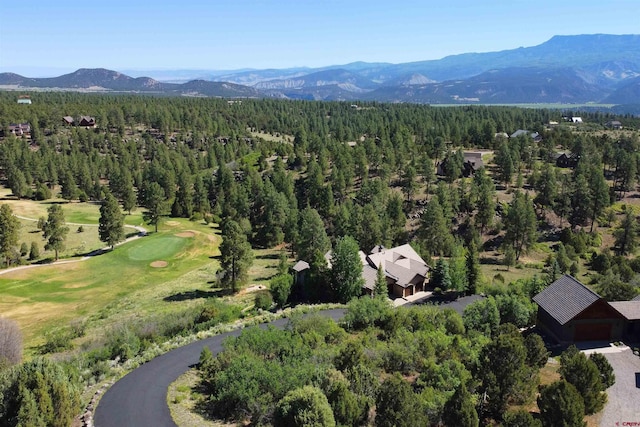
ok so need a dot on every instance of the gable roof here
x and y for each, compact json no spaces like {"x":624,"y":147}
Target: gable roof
{"x":301,"y":266}
{"x":370,"y":275}
{"x":629,"y":309}
{"x":565,"y":298}
{"x":402,"y":264}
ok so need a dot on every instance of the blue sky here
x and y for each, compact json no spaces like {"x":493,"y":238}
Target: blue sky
{"x":48,"y":37}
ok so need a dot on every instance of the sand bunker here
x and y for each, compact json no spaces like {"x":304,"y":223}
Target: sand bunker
{"x":159,"y":264}
{"x":186,"y":234}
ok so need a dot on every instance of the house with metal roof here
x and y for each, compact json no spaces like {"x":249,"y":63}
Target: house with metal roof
{"x":570,"y":312}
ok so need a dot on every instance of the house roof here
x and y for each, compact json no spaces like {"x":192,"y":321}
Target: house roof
{"x":369,"y":274}
{"x":301,"y":266}
{"x":629,"y":309}
{"x":401,"y":263}
{"x":565,"y":298}
{"x":68,"y":119}
{"x":474,"y":157}
{"x":519,"y":132}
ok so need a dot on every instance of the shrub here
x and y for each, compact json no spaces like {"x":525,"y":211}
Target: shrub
{"x":306,"y":406}
{"x":263,"y":300}
{"x":38,"y":393}
{"x":24,"y":249}
{"x":57,"y":340}
{"x":607,"y":375}
{"x":34,"y":252}
{"x":215,"y":311}
{"x":281,"y":288}
{"x":122,"y":342}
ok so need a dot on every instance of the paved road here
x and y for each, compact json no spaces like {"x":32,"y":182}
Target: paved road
{"x":623,"y":405}
{"x":140,"y":397}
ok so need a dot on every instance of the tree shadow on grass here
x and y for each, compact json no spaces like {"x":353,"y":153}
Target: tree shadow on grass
{"x":197,"y":294}
{"x":268,"y":256}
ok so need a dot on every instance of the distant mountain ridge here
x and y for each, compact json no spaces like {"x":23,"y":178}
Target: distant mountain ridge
{"x":598,"y":68}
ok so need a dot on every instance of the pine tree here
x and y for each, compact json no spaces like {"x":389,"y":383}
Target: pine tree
{"x":483,"y":194}
{"x":460,"y":410}
{"x":434,"y":230}
{"x":560,"y":405}
{"x":236,"y":255}
{"x":626,"y":235}
{"x":9,"y":227}
{"x":520,"y":224}
{"x":54,"y":230}
{"x":111,"y":222}
{"x":154,"y":201}
{"x":380,"y":287}
{"x":473,"y":268}
{"x":599,"y":193}
{"x":312,"y":236}
{"x":440,"y":277}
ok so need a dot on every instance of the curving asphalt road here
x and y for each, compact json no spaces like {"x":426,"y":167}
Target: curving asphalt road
{"x":140,"y":397}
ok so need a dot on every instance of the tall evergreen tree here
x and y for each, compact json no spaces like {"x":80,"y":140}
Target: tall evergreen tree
{"x":483,"y":194}
{"x":626,"y":234}
{"x":154,"y":201}
{"x":312,"y":236}
{"x":346,"y":270}
{"x":9,"y":227}
{"x":520,"y":224}
{"x":54,"y":230}
{"x":547,"y":188}
{"x":505,"y":163}
{"x":111,"y":222}
{"x":236,"y":255}
{"x":434,"y":231}
{"x":599,"y":196}
{"x":473,"y":268}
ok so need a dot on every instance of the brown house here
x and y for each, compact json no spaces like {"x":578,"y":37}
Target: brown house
{"x":405,"y":271}
{"x":20,"y":129}
{"x":570,"y":312}
{"x":631,"y":312}
{"x":86,"y":121}
{"x":67,"y":121}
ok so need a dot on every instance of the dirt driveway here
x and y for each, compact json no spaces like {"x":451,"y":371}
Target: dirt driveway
{"x":623,"y":406}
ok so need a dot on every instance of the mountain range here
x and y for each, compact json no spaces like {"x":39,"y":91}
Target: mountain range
{"x":598,"y":68}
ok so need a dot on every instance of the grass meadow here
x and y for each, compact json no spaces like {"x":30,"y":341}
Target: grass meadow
{"x":164,"y":272}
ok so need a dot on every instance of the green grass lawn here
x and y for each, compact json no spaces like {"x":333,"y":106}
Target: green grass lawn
{"x":158,"y":248}
{"x":102,"y":288}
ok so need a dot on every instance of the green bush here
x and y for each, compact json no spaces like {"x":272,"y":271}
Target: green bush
{"x":40,"y":393}
{"x":57,"y":340}
{"x":263,"y":300}
{"x":122,"y":342}
{"x":215,"y":312}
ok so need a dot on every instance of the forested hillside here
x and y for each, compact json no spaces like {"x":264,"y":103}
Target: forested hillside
{"x":559,"y":197}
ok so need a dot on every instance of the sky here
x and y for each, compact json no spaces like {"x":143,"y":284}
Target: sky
{"x":46,"y":38}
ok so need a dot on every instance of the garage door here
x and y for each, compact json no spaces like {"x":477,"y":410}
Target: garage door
{"x":593,"y":332}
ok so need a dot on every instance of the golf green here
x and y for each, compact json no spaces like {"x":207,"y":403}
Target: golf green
{"x":154,"y":248}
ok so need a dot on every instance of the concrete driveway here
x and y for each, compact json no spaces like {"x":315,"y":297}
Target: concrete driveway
{"x":623,"y":406}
